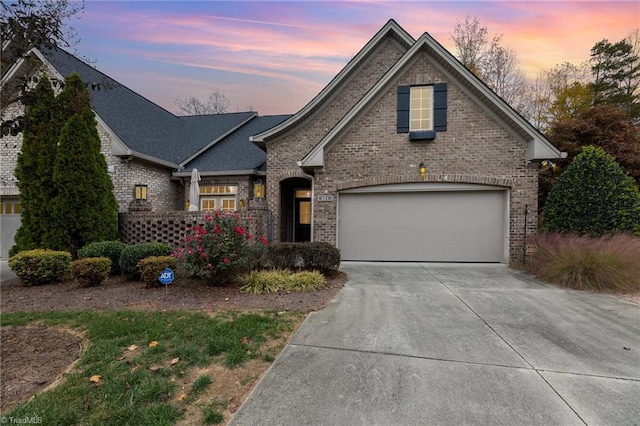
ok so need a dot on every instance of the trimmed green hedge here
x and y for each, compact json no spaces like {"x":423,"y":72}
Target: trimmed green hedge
{"x":91,"y":271}
{"x":593,"y":197}
{"x":318,"y":256}
{"x":151,"y":267}
{"x":35,"y":267}
{"x":133,"y":254}
{"x":110,"y":249}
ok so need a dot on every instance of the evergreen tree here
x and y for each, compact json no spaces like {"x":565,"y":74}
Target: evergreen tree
{"x":616,"y":68}
{"x":34,"y":168}
{"x":593,"y":197}
{"x":85,"y":209}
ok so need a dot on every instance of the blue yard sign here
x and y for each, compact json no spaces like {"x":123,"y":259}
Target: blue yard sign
{"x":166,"y":277}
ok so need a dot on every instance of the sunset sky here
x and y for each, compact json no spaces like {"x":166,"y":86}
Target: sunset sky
{"x":274,"y":57}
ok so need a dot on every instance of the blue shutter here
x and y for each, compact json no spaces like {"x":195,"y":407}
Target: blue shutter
{"x":404,"y":98}
{"x":440,"y":107}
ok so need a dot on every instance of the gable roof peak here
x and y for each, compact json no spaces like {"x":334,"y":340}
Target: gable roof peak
{"x":391,"y":28}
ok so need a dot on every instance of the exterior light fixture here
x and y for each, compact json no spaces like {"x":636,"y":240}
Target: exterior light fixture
{"x":258,"y":189}
{"x":423,"y":171}
{"x":549,"y":165}
{"x":140,"y":192}
{"x":241,"y":204}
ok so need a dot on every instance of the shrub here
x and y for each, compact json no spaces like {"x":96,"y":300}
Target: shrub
{"x":35,"y":267}
{"x":284,"y":255}
{"x":264,"y":282}
{"x":220,"y":249}
{"x":110,"y":249}
{"x":275,"y":280}
{"x":306,"y":281}
{"x":132,"y":254}
{"x":319,"y":256}
{"x":151,"y":267}
{"x":593,"y":197}
{"x":91,"y":271}
{"x":607,"y":263}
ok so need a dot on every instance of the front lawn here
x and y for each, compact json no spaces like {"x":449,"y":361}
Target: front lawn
{"x":154,"y":367}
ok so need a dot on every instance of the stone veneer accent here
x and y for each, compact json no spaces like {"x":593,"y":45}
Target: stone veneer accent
{"x":10,"y":146}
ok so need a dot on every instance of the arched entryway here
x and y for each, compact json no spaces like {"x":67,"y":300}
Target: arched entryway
{"x":295,"y":209}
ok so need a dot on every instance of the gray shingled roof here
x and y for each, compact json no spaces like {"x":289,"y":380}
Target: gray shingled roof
{"x":141,"y":125}
{"x":236,"y":152}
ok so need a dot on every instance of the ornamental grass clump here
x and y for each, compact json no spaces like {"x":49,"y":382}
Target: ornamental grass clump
{"x":281,"y":280}
{"x":610,"y":263}
{"x":220,"y":249}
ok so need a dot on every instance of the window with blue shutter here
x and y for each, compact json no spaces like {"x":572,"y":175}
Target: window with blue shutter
{"x":420,"y":112}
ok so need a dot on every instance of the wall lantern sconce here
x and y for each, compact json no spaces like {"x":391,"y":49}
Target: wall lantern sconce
{"x":258,"y":189}
{"x":241,"y":204}
{"x":140,"y":192}
{"x":423,"y":171}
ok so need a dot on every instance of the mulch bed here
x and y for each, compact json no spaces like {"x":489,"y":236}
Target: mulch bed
{"x":119,"y":294}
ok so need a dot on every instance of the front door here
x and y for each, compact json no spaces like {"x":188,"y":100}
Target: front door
{"x":302,"y":215}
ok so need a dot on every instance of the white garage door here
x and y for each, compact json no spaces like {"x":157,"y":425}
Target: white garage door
{"x":449,"y":223}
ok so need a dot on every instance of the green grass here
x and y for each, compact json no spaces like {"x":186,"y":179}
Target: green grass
{"x":129,"y":392}
{"x":609,"y":263}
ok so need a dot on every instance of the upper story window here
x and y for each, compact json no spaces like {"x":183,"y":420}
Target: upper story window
{"x":422,"y":110}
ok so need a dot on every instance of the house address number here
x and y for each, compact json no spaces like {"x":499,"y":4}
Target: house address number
{"x":325,"y":197}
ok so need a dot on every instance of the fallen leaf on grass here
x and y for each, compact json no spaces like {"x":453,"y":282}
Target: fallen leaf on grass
{"x":133,"y":347}
{"x":153,"y":344}
{"x":175,"y":361}
{"x":95,"y":378}
{"x":156,"y":367}
{"x":182,"y":396}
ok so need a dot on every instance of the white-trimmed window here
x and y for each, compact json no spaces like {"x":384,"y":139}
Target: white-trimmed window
{"x":218,"y":197}
{"x":421,"y":111}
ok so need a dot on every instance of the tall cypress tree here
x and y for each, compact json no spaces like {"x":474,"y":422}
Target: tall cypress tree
{"x":34,"y":168}
{"x":85,"y":209}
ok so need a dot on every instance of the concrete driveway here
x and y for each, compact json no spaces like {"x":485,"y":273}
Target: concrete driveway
{"x":434,"y":344}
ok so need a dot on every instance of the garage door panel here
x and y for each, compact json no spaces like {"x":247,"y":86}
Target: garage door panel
{"x":423,"y":226}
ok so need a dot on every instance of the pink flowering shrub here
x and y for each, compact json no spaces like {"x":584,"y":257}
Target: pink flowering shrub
{"x":220,"y":249}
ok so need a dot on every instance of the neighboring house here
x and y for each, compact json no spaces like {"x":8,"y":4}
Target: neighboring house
{"x":150,"y":152}
{"x":346,"y":168}
{"x":404,"y":156}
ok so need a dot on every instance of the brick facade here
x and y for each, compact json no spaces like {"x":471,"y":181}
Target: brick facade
{"x":170,"y":227}
{"x":285,"y":151}
{"x":475,"y":149}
